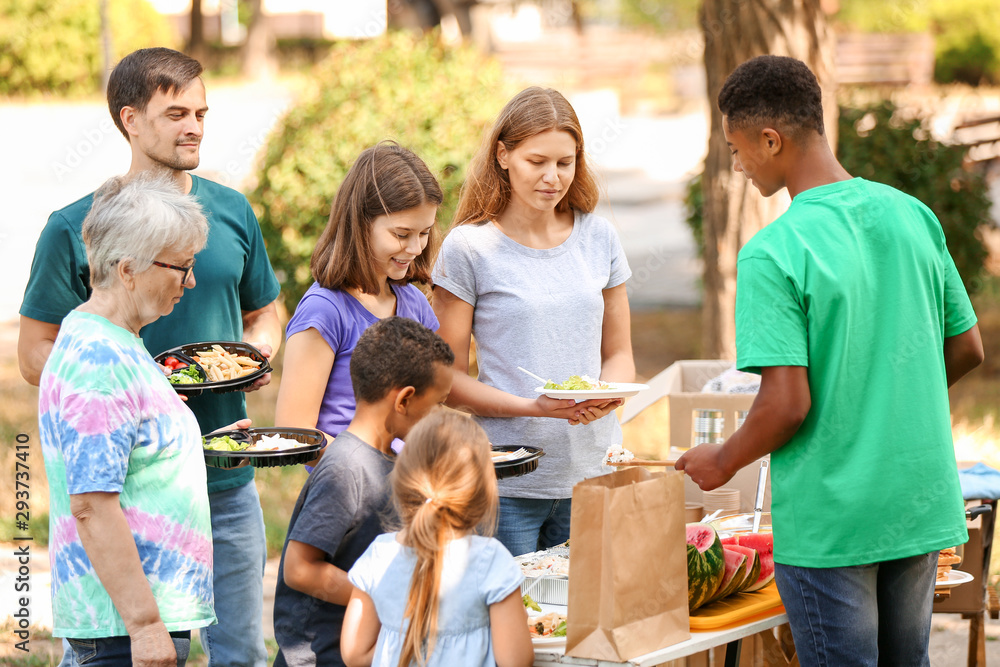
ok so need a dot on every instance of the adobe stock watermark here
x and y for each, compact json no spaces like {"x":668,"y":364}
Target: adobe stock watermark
{"x":248,"y":150}
{"x":610,"y":133}
{"x":77,"y":152}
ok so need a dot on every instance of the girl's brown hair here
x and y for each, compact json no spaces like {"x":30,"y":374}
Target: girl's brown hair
{"x":534,"y":110}
{"x":443,"y":486}
{"x":385,"y":179}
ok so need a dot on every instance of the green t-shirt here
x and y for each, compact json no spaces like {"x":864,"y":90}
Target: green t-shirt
{"x":232,"y":274}
{"x":855,"y":283}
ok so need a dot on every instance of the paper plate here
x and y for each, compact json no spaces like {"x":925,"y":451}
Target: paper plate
{"x":955,"y":578}
{"x":617,"y":390}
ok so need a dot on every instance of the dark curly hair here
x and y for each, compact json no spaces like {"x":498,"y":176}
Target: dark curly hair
{"x":773,"y":90}
{"x":393,"y":353}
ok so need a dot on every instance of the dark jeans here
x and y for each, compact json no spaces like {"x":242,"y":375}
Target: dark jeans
{"x":117,"y":651}
{"x":864,"y":616}
{"x":526,"y":524}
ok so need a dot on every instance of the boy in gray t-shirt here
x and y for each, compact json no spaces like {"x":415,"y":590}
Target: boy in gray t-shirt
{"x":400,"y":371}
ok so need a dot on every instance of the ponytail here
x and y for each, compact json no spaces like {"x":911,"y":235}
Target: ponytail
{"x":427,"y":535}
{"x":443,"y":486}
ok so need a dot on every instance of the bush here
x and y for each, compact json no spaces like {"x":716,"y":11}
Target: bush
{"x":55,"y":47}
{"x":966,"y":32}
{"x":877,"y":144}
{"x":972,"y":62}
{"x":432,"y":99}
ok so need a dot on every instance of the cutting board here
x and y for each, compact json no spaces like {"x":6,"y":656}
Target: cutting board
{"x":737,"y":609}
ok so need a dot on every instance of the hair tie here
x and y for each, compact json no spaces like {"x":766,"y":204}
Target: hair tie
{"x":427,"y":500}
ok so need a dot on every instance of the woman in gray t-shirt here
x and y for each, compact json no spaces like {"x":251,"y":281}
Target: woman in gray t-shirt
{"x":540,"y":280}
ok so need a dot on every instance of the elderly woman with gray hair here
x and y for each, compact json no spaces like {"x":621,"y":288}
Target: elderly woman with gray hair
{"x":130,"y":531}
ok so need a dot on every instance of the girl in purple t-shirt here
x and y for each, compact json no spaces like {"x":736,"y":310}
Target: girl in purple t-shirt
{"x":374,"y":246}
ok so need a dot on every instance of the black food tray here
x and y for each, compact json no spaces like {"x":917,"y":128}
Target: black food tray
{"x":186,"y":353}
{"x":313,"y":443}
{"x":519,"y":467}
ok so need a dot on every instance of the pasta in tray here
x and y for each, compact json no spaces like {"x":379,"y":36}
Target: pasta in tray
{"x":221,"y":365}
{"x":552,"y":624}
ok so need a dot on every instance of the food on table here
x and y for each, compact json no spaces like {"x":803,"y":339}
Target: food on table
{"x":706,"y":563}
{"x":186,"y":375}
{"x":618,"y":454}
{"x":546,"y":566}
{"x":946,"y":559}
{"x":272,"y":443}
{"x":224,"y":444}
{"x":735,"y":574}
{"x":578,"y":382}
{"x":763,"y":544}
{"x":529,"y":603}
{"x":221,"y":365}
{"x":752,"y":567}
{"x":548,"y":625}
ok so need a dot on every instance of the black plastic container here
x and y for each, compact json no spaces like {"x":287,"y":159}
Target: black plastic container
{"x":313,"y":443}
{"x":517,"y":467}
{"x":186,"y":353}
{"x":186,"y":389}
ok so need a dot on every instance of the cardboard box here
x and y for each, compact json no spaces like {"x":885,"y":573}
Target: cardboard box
{"x":675,"y":393}
{"x":666,"y":408}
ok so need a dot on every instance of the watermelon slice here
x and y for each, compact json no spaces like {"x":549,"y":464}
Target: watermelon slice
{"x":764,"y":544}
{"x":706,"y":563}
{"x":736,"y":572}
{"x":752,"y":566}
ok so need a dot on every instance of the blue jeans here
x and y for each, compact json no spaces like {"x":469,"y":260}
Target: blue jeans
{"x":877,"y":614}
{"x":115,"y":651}
{"x":529,"y":524}
{"x":239,"y":553}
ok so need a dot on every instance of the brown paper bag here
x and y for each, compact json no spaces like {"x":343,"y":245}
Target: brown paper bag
{"x":628,"y":565}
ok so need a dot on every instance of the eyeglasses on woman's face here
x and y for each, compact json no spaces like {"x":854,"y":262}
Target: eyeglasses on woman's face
{"x":188,"y":270}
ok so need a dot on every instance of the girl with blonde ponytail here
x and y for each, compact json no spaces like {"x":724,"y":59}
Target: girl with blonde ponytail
{"x":438,"y":592}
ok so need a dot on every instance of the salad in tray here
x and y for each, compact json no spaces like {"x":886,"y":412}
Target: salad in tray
{"x":266,"y":443}
{"x":584,"y":387}
{"x":578,"y":383}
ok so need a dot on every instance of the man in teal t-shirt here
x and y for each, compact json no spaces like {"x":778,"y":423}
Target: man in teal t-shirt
{"x":851,"y":309}
{"x":157,"y":100}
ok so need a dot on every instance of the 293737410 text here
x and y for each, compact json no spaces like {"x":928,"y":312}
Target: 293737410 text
{"x":22,"y":541}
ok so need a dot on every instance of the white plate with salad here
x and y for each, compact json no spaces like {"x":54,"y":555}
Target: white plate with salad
{"x":584,"y":388}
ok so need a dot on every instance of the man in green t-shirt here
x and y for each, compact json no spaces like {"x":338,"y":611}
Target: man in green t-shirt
{"x":851,"y":309}
{"x":157,"y":101}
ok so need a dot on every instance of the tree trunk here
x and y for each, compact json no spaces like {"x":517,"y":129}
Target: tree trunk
{"x":196,"y":42}
{"x":735,"y":31}
{"x":258,"y":50}
{"x":106,"y":50}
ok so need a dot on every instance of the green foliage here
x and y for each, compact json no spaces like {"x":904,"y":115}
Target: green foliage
{"x":38,"y":528}
{"x":661,"y":15}
{"x":434,"y":100}
{"x":878,"y":144}
{"x":972,"y":62}
{"x":694,"y":200}
{"x":54,"y":46}
{"x":966,"y":32}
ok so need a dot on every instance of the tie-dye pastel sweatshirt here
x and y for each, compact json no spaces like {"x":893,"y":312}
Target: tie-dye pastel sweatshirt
{"x":109,"y":421}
